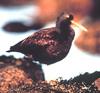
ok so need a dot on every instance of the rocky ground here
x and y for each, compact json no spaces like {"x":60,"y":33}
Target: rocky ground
{"x":24,"y":76}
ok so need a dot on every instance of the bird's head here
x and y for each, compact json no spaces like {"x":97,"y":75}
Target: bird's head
{"x":64,"y":21}
{"x":63,"y":24}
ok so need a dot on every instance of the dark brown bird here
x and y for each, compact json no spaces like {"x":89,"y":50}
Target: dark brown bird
{"x":48,"y":45}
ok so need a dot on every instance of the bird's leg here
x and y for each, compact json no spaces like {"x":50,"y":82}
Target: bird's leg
{"x":29,"y":56}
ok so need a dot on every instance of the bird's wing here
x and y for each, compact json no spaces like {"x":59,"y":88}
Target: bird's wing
{"x":40,"y":38}
{"x":36,"y":41}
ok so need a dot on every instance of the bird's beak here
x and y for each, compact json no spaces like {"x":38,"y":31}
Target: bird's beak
{"x":76,"y":24}
{"x":79,"y":26}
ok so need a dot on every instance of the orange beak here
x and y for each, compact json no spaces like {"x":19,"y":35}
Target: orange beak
{"x":79,"y":26}
{"x":76,"y":24}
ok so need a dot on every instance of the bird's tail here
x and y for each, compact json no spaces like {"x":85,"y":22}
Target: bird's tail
{"x":9,"y":51}
{"x":12,"y":49}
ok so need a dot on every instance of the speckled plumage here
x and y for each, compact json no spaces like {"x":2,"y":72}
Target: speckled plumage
{"x":48,"y":45}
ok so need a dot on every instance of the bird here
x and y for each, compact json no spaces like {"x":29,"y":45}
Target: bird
{"x":48,"y":45}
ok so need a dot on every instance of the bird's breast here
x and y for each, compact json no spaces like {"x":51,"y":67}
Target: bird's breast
{"x":57,"y":48}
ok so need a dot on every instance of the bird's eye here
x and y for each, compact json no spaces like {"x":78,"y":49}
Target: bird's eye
{"x":71,"y":17}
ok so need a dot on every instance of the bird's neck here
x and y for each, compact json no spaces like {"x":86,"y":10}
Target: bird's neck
{"x":65,"y":32}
